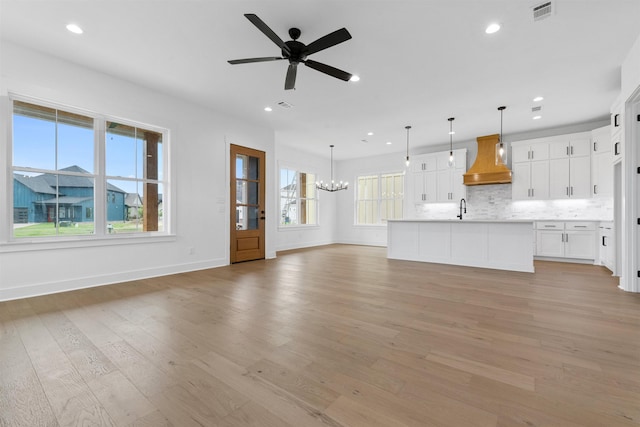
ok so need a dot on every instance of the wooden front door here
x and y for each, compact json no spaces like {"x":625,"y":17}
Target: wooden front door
{"x":247,"y":204}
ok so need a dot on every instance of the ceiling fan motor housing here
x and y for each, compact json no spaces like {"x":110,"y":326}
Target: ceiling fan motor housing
{"x":297,"y":51}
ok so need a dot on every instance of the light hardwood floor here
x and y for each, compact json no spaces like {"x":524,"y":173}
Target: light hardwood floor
{"x":330,"y":336}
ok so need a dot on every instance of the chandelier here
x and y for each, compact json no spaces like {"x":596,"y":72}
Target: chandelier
{"x":332,"y":186}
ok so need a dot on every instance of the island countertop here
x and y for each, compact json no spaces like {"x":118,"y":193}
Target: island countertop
{"x":531,"y":221}
{"x":487,"y":243}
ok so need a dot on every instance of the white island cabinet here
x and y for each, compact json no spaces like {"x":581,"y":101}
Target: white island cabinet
{"x":497,"y":244}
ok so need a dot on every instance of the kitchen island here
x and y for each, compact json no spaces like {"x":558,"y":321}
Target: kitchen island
{"x":497,"y":244}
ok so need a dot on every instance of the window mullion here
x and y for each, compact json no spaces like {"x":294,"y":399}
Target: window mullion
{"x":100,"y":181}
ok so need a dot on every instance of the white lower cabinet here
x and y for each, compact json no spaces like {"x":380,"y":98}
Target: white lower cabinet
{"x":557,"y":239}
{"x":606,"y":246}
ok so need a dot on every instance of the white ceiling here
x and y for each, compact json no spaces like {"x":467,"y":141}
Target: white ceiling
{"x":420,"y":62}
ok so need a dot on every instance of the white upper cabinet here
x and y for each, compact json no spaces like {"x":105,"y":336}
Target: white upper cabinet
{"x":530,"y":170}
{"x":574,"y":145}
{"x":601,"y":162}
{"x":434,"y":180}
{"x":557,"y":167}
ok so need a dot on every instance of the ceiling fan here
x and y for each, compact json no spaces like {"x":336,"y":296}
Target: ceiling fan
{"x":297,"y":52}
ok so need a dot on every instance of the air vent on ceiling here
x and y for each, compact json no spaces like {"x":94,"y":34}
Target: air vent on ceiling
{"x":536,"y":108}
{"x":542,"y":11}
{"x":284,"y":104}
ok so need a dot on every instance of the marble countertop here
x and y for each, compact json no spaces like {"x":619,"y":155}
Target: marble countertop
{"x":497,"y":220}
{"x":465,"y":220}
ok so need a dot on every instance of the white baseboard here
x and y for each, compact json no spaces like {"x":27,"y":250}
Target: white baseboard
{"x":7,"y":294}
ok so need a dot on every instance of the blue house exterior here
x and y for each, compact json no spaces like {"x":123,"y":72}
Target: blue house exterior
{"x":35,"y":198}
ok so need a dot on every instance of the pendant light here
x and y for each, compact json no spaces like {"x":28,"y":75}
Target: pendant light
{"x":407,"y":158}
{"x":501,"y":149}
{"x":331,"y":187}
{"x":451,"y":132}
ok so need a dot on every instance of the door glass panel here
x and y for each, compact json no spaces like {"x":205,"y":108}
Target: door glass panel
{"x":246,"y":192}
{"x":241,"y":166}
{"x":247,"y":167}
{"x":246,"y":218}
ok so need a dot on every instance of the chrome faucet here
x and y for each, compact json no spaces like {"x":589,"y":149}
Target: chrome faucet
{"x":465,"y":208}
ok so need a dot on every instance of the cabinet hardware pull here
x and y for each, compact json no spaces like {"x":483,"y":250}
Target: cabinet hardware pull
{"x":567,"y":188}
{"x":616,"y":148}
{"x":562,"y":236}
{"x":532,"y":154}
{"x":595,"y":145}
{"x":572,"y":150}
{"x":567,"y":237}
{"x":580,"y":226}
{"x":550,"y":226}
{"x":567,"y":150}
{"x":572,"y":190}
{"x":595,"y":189}
{"x":603,"y":241}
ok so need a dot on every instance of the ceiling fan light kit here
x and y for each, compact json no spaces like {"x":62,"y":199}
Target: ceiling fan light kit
{"x":297,"y":52}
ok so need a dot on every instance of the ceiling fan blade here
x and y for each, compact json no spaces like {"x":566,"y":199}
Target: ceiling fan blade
{"x":327,"y":69}
{"x":332,"y":39}
{"x":267,"y":31}
{"x":249,"y":60}
{"x":290,"y":80}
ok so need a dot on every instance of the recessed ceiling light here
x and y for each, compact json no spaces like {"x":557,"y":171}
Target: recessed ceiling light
{"x":355,"y":78}
{"x":389,"y":142}
{"x":537,"y":117}
{"x":369,"y":133}
{"x":74,"y":29}
{"x":268,"y":109}
{"x":538,"y":99}
{"x":492,"y":28}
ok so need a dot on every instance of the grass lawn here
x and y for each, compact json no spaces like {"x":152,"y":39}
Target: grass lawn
{"x":73,"y":229}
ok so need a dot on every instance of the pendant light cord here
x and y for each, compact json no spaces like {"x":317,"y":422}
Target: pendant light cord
{"x":501,"y":111}
{"x":331,"y":164}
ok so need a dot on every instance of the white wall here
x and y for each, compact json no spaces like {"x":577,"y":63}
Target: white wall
{"x":199,"y":146}
{"x":348,"y":232}
{"x":294,"y":237}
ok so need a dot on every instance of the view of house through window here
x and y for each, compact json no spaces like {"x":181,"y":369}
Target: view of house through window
{"x":134,"y":166}
{"x":298,"y":198}
{"x":53,"y":164}
{"x":379,"y":198}
{"x":55,"y":182}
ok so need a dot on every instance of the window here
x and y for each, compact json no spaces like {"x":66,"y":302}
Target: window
{"x":57,"y":184}
{"x":53,"y":164}
{"x":134,"y":178}
{"x":379,"y":198}
{"x":298,"y":198}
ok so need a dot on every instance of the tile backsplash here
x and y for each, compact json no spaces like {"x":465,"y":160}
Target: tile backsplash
{"x":494,"y":202}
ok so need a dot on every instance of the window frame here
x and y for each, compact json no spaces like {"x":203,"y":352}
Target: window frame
{"x":8,"y":241}
{"x":298,"y":199}
{"x":378,"y":200}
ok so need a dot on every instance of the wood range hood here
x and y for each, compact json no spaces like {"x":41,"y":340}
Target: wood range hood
{"x":488,"y":168}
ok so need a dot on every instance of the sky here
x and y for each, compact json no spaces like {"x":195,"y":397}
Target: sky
{"x":34,"y":146}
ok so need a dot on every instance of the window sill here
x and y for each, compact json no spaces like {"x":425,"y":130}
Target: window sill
{"x":25,"y":245}
{"x":298,"y":227}
{"x":370,"y":225}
